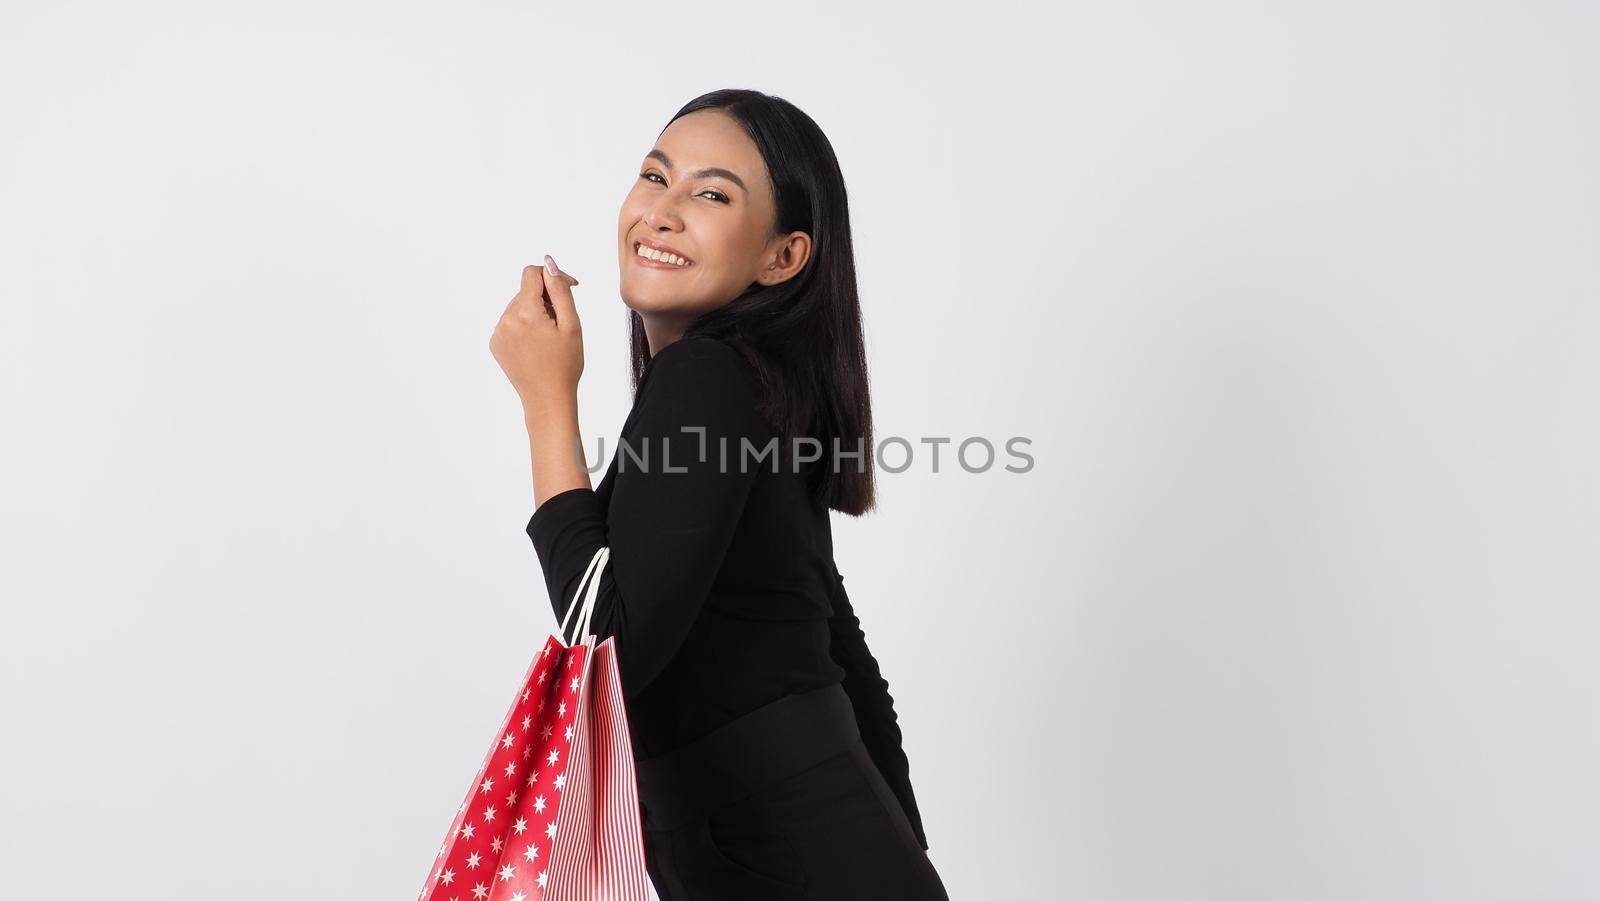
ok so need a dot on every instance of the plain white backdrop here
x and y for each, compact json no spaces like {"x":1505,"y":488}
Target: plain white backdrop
{"x":1297,"y":303}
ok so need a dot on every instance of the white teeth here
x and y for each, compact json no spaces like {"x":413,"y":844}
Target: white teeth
{"x":651,"y":253}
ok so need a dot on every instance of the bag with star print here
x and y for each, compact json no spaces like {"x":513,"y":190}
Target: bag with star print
{"x":553,"y":814}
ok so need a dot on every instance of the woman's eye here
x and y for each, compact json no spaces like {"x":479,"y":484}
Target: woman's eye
{"x":718,"y":196}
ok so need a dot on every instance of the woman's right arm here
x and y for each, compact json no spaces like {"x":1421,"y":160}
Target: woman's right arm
{"x":874,"y":706}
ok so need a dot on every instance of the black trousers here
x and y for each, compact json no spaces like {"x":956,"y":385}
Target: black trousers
{"x":782,"y":803}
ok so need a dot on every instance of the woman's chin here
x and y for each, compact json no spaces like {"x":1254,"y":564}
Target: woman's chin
{"x":652,"y":303}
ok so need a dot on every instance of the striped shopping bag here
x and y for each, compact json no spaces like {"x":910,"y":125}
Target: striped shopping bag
{"x":553,"y":814}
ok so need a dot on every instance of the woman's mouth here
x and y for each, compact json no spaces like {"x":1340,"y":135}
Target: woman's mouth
{"x":659,"y":259}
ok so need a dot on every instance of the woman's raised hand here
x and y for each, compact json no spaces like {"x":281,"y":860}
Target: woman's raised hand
{"x":538,"y":341}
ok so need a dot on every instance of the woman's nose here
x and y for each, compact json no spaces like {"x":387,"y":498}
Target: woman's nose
{"x":663,"y":215}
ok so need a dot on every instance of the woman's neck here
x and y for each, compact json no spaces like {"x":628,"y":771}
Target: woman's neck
{"x":661,"y":329}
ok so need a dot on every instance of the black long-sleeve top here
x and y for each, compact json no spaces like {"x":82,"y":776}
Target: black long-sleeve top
{"x":721,"y":589}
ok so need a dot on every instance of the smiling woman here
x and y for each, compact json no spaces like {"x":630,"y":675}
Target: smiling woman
{"x":703,"y":208}
{"x":768,"y":749}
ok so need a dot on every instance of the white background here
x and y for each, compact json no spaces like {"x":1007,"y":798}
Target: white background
{"x":1297,"y":303}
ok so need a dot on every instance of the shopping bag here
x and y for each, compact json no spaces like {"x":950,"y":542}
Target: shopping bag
{"x":553,"y":814}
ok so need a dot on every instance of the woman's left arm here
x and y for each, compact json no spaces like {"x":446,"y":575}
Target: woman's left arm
{"x":678,"y":494}
{"x":539,"y":344}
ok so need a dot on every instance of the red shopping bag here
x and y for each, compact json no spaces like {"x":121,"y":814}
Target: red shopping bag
{"x":553,"y":814}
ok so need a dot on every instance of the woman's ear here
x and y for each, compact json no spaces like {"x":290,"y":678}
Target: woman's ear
{"x":788,"y":258}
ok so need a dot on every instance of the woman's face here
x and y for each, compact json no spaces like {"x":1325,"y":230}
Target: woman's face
{"x":702,"y":193}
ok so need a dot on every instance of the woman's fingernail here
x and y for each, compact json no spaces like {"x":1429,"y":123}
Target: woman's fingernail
{"x":550,"y":265}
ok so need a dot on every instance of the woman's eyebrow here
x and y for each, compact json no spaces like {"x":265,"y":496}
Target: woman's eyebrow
{"x":700,"y":173}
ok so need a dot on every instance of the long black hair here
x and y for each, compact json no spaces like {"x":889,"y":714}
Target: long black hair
{"x":802,"y":335}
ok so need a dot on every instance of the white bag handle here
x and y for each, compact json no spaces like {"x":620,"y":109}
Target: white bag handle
{"x":592,"y":597}
{"x":588,"y":590}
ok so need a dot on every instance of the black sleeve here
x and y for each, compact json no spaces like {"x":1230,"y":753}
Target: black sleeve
{"x":874,"y":706}
{"x":671,"y":517}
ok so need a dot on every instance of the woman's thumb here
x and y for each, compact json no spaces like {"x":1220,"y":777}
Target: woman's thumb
{"x":559,"y":287}
{"x":551,"y":267}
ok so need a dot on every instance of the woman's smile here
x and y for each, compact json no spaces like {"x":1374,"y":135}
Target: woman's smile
{"x":655,"y":255}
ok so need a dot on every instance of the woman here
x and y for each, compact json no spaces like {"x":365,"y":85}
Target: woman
{"x":766,"y":742}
